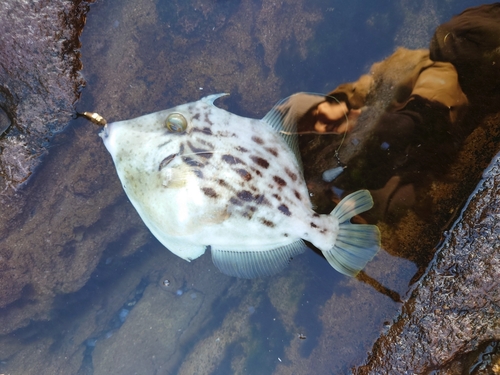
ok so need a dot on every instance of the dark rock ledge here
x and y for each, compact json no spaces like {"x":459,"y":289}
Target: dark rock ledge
{"x":455,"y":308}
{"x":39,"y":81}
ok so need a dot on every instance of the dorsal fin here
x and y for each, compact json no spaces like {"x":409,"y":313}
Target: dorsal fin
{"x":284,"y":116}
{"x":210,"y":99}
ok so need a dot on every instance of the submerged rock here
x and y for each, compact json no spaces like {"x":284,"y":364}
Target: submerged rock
{"x":54,"y":229}
{"x":454,"y":309}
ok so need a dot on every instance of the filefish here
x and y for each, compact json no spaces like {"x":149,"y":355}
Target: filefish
{"x":200,"y":177}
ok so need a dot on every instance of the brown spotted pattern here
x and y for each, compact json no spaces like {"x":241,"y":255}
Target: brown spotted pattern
{"x":244,"y":174}
{"x":260,"y":161}
{"x":279,"y":181}
{"x":258,"y":140}
{"x":267,"y":223}
{"x":272,"y":151}
{"x":292,"y":175}
{"x":209,"y":192}
{"x":242,"y":164}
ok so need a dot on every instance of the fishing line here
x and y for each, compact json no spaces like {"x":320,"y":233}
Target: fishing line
{"x":336,"y":153}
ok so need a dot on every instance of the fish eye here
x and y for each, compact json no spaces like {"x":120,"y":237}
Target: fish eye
{"x":176,"y":123}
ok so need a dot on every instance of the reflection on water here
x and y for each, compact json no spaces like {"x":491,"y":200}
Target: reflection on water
{"x":404,"y":136}
{"x":144,"y":56}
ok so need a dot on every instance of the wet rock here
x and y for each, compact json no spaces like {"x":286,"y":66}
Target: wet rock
{"x":454,"y":309}
{"x":70,"y":214}
{"x":39,"y":65}
{"x":5,"y":121}
{"x":55,"y":227}
{"x":163,"y":324}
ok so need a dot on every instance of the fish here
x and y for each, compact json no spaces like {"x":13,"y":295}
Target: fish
{"x":201,"y":177}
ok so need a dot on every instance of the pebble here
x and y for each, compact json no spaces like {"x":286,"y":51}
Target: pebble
{"x":331,"y":174}
{"x":123,"y":314}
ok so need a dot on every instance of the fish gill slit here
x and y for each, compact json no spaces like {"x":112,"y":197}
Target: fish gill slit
{"x":166,"y":161}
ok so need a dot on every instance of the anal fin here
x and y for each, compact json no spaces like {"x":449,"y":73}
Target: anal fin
{"x":252,"y":264}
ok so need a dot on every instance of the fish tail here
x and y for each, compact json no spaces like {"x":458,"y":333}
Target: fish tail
{"x":356,"y":244}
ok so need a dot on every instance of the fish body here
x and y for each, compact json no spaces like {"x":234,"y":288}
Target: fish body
{"x":201,"y":176}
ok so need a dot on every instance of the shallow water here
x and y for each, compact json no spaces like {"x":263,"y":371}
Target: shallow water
{"x":142,"y":309}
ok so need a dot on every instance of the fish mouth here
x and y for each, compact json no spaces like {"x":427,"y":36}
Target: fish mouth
{"x":108,"y":139}
{"x":104,"y":134}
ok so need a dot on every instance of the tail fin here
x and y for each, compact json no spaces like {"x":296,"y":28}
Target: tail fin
{"x":356,"y":244}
